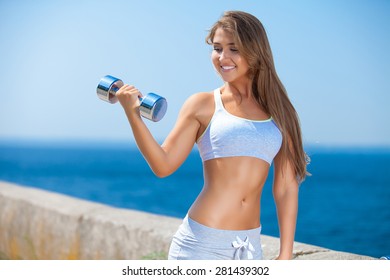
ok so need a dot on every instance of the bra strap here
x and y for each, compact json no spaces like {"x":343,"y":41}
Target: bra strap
{"x":217,"y":99}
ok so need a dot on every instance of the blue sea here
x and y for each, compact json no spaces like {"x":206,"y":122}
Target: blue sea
{"x":344,"y":205}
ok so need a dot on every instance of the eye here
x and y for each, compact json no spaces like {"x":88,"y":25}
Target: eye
{"x":217,"y":49}
{"x":234,"y":50}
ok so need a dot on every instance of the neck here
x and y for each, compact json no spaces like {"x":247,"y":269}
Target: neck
{"x":242,"y":89}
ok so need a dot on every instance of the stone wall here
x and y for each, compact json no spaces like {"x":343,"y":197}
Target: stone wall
{"x":36,"y":224}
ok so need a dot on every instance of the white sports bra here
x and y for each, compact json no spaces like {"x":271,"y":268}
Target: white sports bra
{"x":231,"y":136}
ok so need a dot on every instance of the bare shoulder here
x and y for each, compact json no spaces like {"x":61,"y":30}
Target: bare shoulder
{"x":200,"y":104}
{"x":200,"y":99}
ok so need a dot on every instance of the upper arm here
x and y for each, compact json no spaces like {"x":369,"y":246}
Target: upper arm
{"x":285,"y":177}
{"x":181,"y":139}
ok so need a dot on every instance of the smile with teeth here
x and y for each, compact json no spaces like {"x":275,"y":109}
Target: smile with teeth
{"x":227,"y":68}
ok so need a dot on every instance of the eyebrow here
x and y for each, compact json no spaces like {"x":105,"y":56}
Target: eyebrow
{"x":229,"y":44}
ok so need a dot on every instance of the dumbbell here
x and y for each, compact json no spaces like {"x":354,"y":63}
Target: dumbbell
{"x":152,"y":106}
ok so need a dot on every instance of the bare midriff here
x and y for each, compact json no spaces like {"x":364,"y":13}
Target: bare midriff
{"x":230,"y":198}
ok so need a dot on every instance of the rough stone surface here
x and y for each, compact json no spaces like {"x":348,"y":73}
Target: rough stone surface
{"x":36,"y":224}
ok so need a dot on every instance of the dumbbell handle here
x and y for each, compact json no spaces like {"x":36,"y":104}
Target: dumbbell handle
{"x":152,"y":106}
{"x":107,"y":88}
{"x":114,"y":90}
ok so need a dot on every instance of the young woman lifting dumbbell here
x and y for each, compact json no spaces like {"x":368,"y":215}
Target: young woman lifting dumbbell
{"x":240,"y":129}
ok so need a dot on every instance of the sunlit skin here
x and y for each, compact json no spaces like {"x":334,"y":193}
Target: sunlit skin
{"x":230,"y":198}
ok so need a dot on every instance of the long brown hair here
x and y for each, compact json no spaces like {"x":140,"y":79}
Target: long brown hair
{"x":252,"y":42}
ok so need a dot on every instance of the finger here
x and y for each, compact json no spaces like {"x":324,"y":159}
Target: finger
{"x":128,"y":87}
{"x":121,"y":89}
{"x":137,"y":92}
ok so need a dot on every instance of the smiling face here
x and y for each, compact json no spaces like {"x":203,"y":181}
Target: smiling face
{"x":226,"y":58}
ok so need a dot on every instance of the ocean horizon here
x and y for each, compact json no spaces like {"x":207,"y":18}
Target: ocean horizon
{"x":343,"y":206}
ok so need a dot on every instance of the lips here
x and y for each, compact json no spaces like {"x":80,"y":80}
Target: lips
{"x":227,"y":67}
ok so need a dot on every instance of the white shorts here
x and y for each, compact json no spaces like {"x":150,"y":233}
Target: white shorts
{"x":194,"y":241}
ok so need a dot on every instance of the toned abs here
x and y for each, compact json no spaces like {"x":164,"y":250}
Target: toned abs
{"x":231,"y":194}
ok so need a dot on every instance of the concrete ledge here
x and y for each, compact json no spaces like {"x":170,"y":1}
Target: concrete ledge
{"x":36,"y":224}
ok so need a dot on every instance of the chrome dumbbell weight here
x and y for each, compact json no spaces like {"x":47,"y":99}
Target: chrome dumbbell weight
{"x":152,"y":106}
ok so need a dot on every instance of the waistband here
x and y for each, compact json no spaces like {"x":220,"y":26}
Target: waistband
{"x":213,"y":235}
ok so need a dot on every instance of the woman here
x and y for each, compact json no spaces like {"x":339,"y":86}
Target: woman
{"x":240,"y":128}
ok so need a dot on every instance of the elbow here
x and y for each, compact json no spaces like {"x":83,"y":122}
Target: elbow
{"x":162,"y":172}
{"x":163,"y":167}
{"x":287,"y":189}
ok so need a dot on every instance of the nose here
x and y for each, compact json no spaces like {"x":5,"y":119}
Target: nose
{"x":223,"y":55}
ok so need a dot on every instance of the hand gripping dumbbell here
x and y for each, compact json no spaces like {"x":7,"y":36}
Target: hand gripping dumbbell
{"x":152,"y":106}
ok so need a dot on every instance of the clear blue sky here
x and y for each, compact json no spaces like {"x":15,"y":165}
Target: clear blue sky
{"x":332,"y":56}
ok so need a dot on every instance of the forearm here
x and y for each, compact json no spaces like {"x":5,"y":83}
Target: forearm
{"x":166,"y":158}
{"x":287,"y":210}
{"x":152,"y":151}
